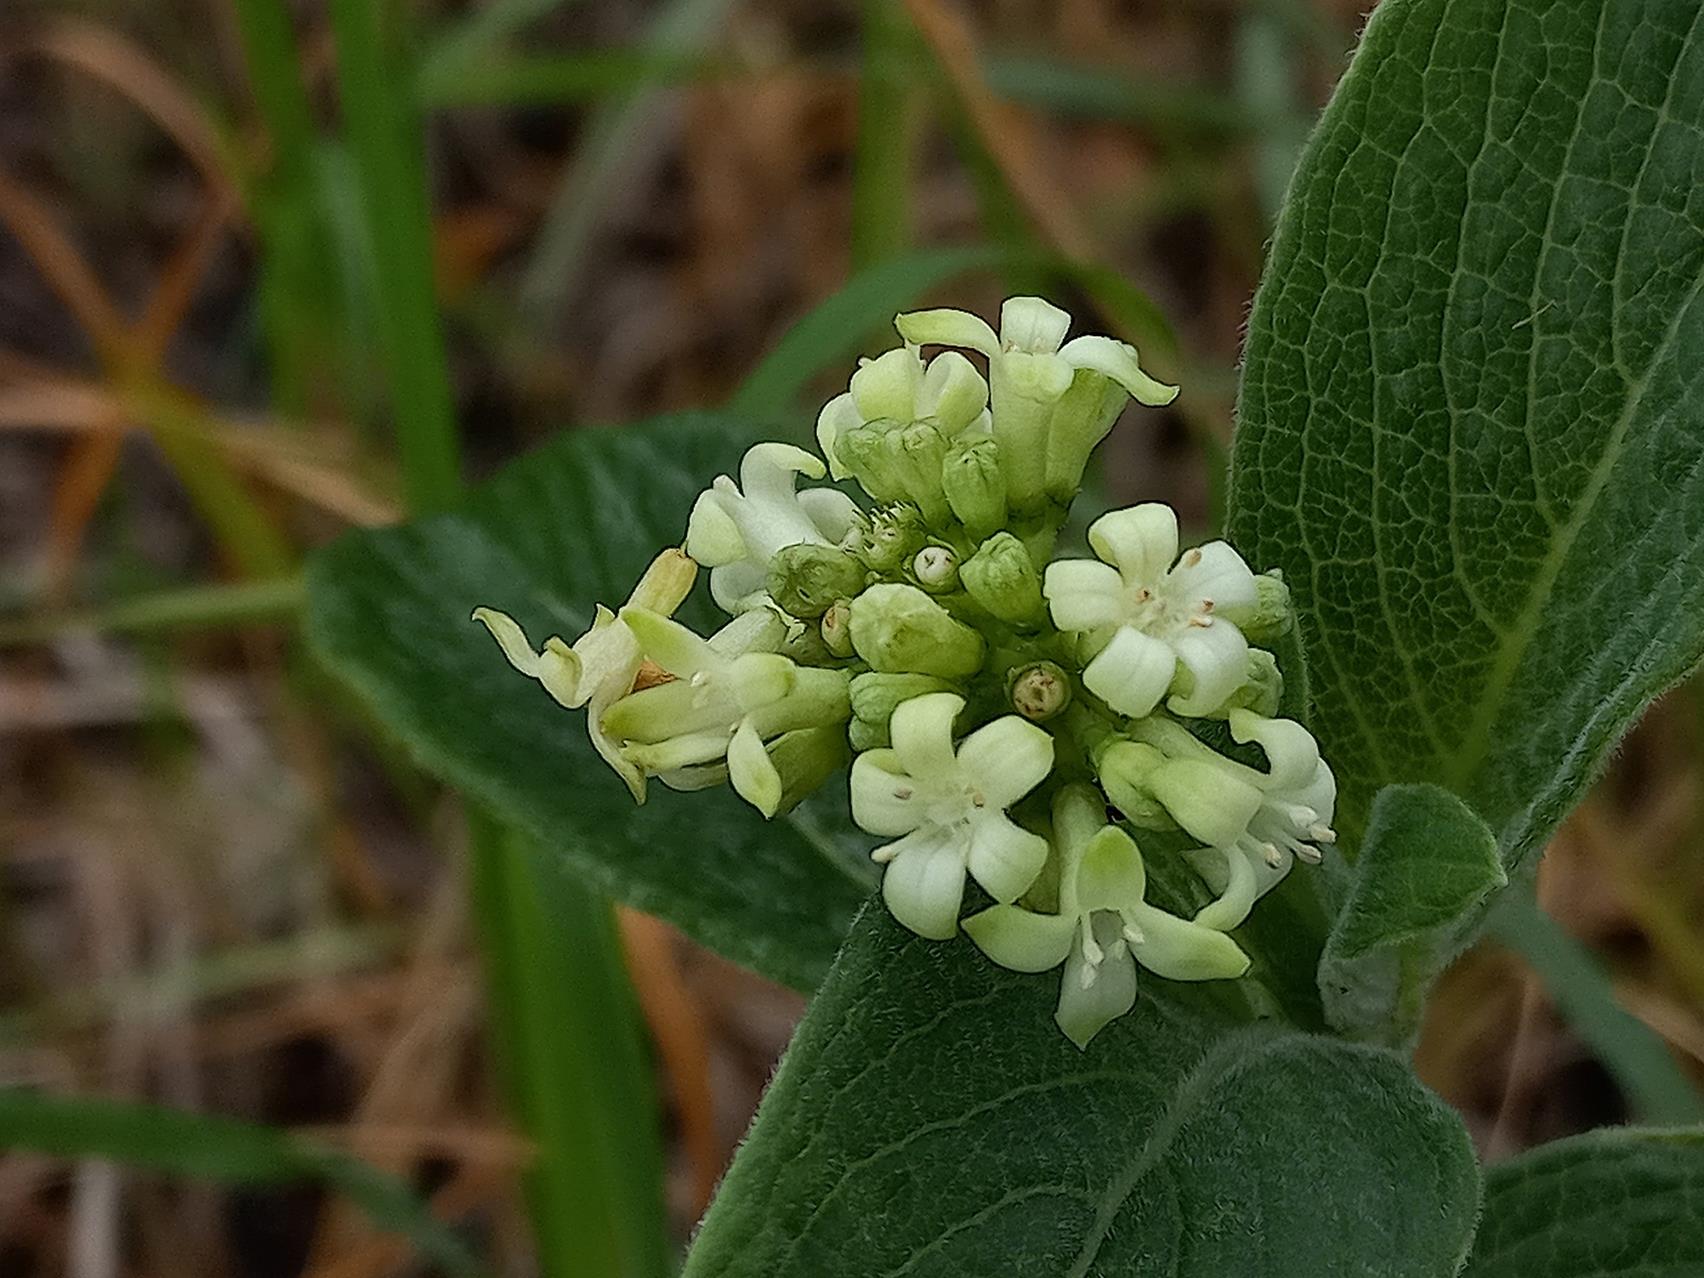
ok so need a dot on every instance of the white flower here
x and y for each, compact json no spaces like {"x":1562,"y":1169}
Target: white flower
{"x":735,"y":529}
{"x":1104,"y":926}
{"x":1255,"y":824}
{"x":1143,"y":617}
{"x":950,"y":807}
{"x":899,"y":387}
{"x":729,"y":699}
{"x":1029,"y":373}
{"x":602,"y":664}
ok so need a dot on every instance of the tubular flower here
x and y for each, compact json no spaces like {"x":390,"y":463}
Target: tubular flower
{"x":1104,"y":927}
{"x":602,"y":664}
{"x":1052,"y":400}
{"x":949,"y":806}
{"x":729,"y":697}
{"x":736,"y":529}
{"x":1143,"y":613}
{"x":923,"y":629}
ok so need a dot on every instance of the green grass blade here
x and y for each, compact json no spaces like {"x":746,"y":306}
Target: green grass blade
{"x":1657,"y":1089}
{"x":575,"y":1062}
{"x":189,"y":608}
{"x":1101,"y":93}
{"x":881,"y":169}
{"x":384,"y":137}
{"x":473,"y":37}
{"x":220,"y":1149}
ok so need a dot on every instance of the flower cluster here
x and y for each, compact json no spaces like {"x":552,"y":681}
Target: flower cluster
{"x":1016,"y":720}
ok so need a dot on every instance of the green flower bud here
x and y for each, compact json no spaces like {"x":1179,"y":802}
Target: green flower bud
{"x":803,"y":760}
{"x":1039,"y":690}
{"x":889,"y":538}
{"x":1272,"y":615}
{"x":864,"y":735}
{"x":1083,"y":417}
{"x":917,"y":453}
{"x":974,"y":486}
{"x":936,"y":569}
{"x":898,"y":628}
{"x":870,"y":455}
{"x":875,"y":696}
{"x":805,"y":580}
{"x":1124,"y":768}
{"x":836,"y":628}
{"x":1001,"y":578}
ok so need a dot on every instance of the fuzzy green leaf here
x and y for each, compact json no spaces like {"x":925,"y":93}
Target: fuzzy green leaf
{"x":569,"y":525}
{"x":1612,"y":1204}
{"x":930,"y":1119}
{"x":1472,"y":416}
{"x":1420,"y":888}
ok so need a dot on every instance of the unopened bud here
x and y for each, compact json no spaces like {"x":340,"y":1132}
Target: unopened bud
{"x":889,"y":538}
{"x":936,"y":569}
{"x":836,"y":628}
{"x":868,"y":454}
{"x":1124,"y":767}
{"x":876,"y":696}
{"x":898,"y":628}
{"x":1272,"y":615}
{"x":1083,"y":417}
{"x":805,"y":580}
{"x":1039,"y":690}
{"x":804,"y":759}
{"x":974,"y":486}
{"x":1001,"y":578}
{"x":1262,"y":691}
{"x":917,"y":452}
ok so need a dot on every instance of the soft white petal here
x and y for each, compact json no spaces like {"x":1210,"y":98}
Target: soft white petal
{"x":1005,"y":759}
{"x":1083,"y":594}
{"x":1004,"y":857}
{"x":1117,"y":360}
{"x":838,"y":416}
{"x":945,"y":327}
{"x":1021,"y":940}
{"x":770,"y":470}
{"x":885,"y":388}
{"x":1291,"y":751}
{"x":510,"y":638}
{"x":1217,"y":656}
{"x":884,"y":800}
{"x":1109,"y":874}
{"x":677,"y":752}
{"x":670,"y":644}
{"x":953,"y":393}
{"x":671,"y":709}
{"x":1229,"y":873}
{"x":1206,"y":799}
{"x":1140,"y":540}
{"x":924,"y":883}
{"x":700,"y":776}
{"x":1084,"y":1010}
{"x":752,"y":772}
{"x":713,"y":536}
{"x":1320,"y":793}
{"x":608,"y":749}
{"x":758,"y":630}
{"x":922,"y":733}
{"x":1213,"y":574}
{"x":1132,"y":672}
{"x":832,"y":511}
{"x":739,"y":587}
{"x":1032,"y":324}
{"x":1183,"y":951}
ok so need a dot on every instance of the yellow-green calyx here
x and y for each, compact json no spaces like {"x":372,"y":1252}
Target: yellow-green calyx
{"x":1028,"y":733}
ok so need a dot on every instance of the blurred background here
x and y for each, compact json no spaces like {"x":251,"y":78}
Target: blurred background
{"x":272,"y":269}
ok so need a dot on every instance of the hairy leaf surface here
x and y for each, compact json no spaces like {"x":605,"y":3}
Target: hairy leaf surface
{"x":930,"y":1119}
{"x":1611,"y":1204}
{"x":1472,"y":414}
{"x":569,"y":525}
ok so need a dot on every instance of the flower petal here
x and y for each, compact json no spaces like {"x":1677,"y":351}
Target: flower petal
{"x":1020,"y":939}
{"x":510,"y":638}
{"x":1217,"y":656}
{"x":1005,"y":760}
{"x":1291,"y":751}
{"x":1206,"y":799}
{"x":1032,"y":324}
{"x":713,"y":535}
{"x":1132,"y":672}
{"x":1229,"y":873}
{"x":1183,"y":951}
{"x":741,"y":587}
{"x":1084,"y":1010}
{"x":922,"y":733}
{"x":1110,"y":874}
{"x":1004,"y":857}
{"x":1212,"y":574}
{"x":1083,"y":594}
{"x":924,"y":883}
{"x":832,"y":511}
{"x":770,"y":470}
{"x":838,"y":416}
{"x":1117,"y":360}
{"x":1141,"y":541}
{"x":945,"y":327}
{"x":953,"y":393}
{"x":884,"y":800}
{"x":672,"y":709}
{"x":751,"y":771}
{"x":670,"y":644}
